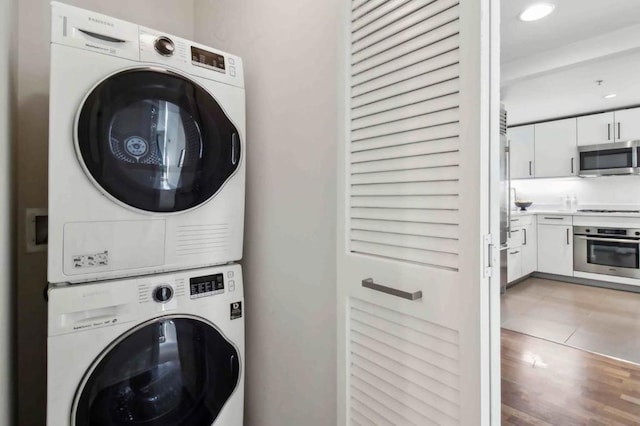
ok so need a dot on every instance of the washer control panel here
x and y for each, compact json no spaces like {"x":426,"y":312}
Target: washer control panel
{"x":207,"y":285}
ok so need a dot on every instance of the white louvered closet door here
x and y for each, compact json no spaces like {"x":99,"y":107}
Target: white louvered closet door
{"x":414,"y":207}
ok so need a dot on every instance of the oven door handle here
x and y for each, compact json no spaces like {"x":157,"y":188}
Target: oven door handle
{"x":612,"y":240}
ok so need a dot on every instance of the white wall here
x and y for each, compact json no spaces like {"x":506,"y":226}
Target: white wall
{"x":7,"y":74}
{"x":621,"y":191}
{"x":289,"y":48}
{"x":172,"y":16}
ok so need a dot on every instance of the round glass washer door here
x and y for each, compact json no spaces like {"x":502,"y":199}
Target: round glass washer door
{"x":173,"y":371}
{"x":156,"y":141}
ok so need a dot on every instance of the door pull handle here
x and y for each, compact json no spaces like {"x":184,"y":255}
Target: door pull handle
{"x":368,"y":283}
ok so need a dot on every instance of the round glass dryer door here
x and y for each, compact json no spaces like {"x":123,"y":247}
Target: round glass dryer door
{"x":156,"y":141}
{"x":174,"y":371}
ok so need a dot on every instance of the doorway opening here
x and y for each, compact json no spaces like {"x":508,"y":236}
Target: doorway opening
{"x":570,"y":305}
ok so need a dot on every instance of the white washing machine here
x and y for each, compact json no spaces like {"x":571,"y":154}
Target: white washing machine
{"x":146,"y":151}
{"x":163,"y":350}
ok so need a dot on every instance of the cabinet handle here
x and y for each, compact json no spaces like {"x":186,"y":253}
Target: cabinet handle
{"x":524,"y":236}
{"x":619,"y":137}
{"x":554,"y":218}
{"x":514,"y":252}
{"x":368,"y":283}
{"x":568,"y":242}
{"x":571,"y":165}
{"x":530,"y":174}
{"x":609,"y":131}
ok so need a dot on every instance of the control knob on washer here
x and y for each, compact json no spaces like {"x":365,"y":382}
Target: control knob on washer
{"x":162,"y":293}
{"x":164,"y":46}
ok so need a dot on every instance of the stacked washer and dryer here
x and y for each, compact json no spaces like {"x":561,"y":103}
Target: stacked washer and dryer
{"x":146,"y":216}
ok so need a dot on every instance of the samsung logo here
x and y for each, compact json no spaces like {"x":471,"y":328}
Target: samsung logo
{"x":100,"y":21}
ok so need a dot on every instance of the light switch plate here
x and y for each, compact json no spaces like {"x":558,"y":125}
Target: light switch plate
{"x":37,"y":230}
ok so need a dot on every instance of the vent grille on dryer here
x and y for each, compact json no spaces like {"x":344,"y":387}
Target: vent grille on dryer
{"x":201,"y":239}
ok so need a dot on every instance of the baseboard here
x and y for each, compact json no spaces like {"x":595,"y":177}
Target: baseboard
{"x":583,"y":281}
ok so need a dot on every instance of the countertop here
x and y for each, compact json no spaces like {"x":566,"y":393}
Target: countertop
{"x":515,"y":213}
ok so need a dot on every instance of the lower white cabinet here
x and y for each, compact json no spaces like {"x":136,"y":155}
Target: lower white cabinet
{"x":555,"y":249}
{"x":514,"y":264}
{"x":529,"y":249}
{"x":522,"y":254}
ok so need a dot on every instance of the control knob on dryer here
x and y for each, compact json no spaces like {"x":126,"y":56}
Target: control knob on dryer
{"x":164,"y":46}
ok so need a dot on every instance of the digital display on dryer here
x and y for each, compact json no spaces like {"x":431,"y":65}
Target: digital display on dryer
{"x":206,"y":285}
{"x":207,"y":59}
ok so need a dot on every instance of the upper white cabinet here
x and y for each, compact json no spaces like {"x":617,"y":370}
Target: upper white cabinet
{"x":596,"y":129}
{"x":614,"y":126}
{"x":627,"y":124}
{"x":556,"y":148}
{"x":522,"y":149}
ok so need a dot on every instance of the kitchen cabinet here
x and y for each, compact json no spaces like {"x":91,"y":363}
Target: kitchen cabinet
{"x":555,"y":249}
{"x":627,"y":125}
{"x":614,"y":126}
{"x":596,"y":129}
{"x":522,"y":252}
{"x":522,"y":151}
{"x":514,"y":264}
{"x":529,"y":249}
{"x":556,"y":148}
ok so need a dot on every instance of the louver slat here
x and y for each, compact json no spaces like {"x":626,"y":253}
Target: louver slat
{"x":420,"y":22}
{"x":405,"y":129}
{"x":404,"y":370}
{"x":405,"y":42}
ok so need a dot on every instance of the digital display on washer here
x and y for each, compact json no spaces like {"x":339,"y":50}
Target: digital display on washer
{"x":207,"y":59}
{"x":206,"y":285}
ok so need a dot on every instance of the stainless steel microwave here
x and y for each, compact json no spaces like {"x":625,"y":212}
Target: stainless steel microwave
{"x":619,"y":158}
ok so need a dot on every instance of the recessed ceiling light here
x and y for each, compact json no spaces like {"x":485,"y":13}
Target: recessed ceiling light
{"x":610,"y":96}
{"x":536,"y":11}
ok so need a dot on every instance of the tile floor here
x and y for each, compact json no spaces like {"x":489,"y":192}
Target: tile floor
{"x":599,"y":320}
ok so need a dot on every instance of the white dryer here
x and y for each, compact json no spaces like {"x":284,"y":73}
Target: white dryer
{"x":146,"y":150}
{"x":163,"y":350}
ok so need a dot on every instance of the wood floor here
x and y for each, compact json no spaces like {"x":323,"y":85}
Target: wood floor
{"x":545,"y":383}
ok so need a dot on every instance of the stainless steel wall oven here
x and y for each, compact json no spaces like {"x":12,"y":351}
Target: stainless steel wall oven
{"x":608,"y":251}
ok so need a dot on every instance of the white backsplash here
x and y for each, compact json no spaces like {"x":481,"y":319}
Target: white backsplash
{"x":603,"y":192}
